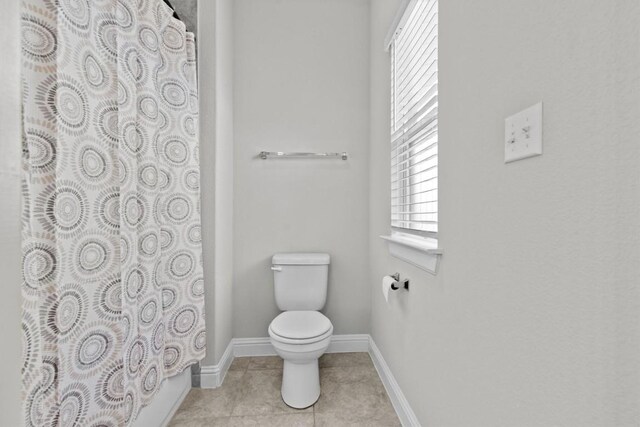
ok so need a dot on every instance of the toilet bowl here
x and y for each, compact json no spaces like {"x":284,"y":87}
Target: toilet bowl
{"x":300,"y":337}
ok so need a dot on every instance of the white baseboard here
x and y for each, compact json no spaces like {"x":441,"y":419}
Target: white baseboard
{"x":212,"y":376}
{"x":166,"y":402}
{"x":243,"y":347}
{"x":353,"y":343}
{"x":398,"y":400}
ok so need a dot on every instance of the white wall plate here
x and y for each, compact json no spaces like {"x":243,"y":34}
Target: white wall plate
{"x":523,"y":134}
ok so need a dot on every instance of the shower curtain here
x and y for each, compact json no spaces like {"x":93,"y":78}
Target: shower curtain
{"x":113,"y":286}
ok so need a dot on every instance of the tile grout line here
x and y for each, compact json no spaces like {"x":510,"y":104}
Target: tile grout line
{"x":237,"y":398}
{"x":314,"y":406}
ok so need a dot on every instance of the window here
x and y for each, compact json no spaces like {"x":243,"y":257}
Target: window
{"x":414,"y":120}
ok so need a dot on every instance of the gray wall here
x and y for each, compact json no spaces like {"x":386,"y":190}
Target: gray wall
{"x":533,"y":318}
{"x":224,"y":176}
{"x":301,"y":84}
{"x":187,"y":10}
{"x":215,"y":78}
{"x":10,"y":301}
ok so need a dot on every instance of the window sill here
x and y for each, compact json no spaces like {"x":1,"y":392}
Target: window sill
{"x":423,"y":253}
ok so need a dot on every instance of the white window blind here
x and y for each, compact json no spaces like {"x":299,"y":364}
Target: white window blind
{"x":414,"y":119}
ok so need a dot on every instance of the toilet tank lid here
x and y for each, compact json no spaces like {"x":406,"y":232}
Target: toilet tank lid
{"x":301,"y":258}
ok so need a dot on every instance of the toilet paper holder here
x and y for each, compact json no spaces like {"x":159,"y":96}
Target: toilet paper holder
{"x":405,"y":282}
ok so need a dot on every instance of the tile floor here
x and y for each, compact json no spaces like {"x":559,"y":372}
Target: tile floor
{"x":351,"y":395}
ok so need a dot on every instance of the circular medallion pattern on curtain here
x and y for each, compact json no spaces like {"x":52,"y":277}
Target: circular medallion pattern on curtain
{"x":112,"y":258}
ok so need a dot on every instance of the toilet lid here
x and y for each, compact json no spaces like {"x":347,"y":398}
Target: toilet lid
{"x":300,"y":324}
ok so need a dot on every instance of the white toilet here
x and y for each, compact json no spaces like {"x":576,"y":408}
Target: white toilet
{"x":300,"y":334}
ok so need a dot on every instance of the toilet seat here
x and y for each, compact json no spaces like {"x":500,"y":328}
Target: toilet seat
{"x":300,"y":327}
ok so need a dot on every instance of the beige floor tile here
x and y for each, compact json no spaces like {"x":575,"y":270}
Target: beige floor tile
{"x":266,"y":362}
{"x":200,"y":422}
{"x":211,"y":403}
{"x":260,"y":394}
{"x":289,"y":420}
{"x":331,"y":419}
{"x":355,"y":394}
{"x":351,"y":395}
{"x":333,"y":360}
{"x":240,"y":363}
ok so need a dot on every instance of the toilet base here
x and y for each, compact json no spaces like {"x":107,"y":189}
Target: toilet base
{"x":300,"y":383}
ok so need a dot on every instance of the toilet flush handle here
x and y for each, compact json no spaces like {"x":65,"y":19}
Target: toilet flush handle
{"x":276,"y":268}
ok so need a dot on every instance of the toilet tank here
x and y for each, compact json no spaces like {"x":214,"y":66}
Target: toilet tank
{"x":300,"y":280}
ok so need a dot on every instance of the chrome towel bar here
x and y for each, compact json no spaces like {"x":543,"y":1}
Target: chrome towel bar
{"x":279,"y":154}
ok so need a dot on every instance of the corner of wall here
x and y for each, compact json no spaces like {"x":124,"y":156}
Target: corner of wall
{"x":216,"y":147}
{"x":10,"y":265}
